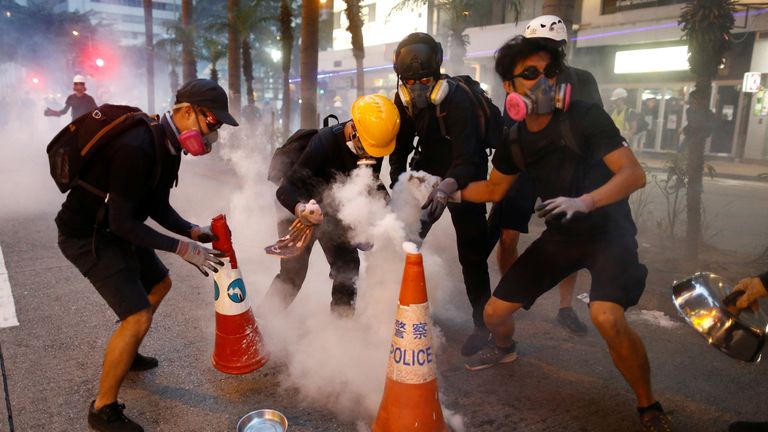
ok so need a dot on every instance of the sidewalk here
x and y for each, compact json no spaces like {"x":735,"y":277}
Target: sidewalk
{"x":723,"y":168}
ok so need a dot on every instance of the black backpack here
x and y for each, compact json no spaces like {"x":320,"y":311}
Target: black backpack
{"x":286,"y":156}
{"x":489,"y":119}
{"x":71,"y":149}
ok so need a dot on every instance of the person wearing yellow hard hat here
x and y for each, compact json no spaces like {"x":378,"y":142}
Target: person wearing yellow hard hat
{"x":304,"y":168}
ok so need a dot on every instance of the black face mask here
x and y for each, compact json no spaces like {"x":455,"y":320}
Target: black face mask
{"x":419,"y":94}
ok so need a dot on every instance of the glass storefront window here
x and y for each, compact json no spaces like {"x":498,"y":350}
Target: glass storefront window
{"x":649,"y":109}
{"x":672,"y":118}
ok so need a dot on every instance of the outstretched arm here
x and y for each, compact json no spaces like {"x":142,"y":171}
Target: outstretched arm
{"x":628,"y":176}
{"x":491,"y":190}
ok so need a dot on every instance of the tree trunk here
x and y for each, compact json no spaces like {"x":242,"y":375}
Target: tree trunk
{"x":355,"y":29}
{"x":286,"y":37}
{"x":214,"y":74}
{"x":310,"y":17}
{"x":233,"y":58}
{"x":149,"y":44}
{"x":695,"y":139}
{"x":248,"y":71}
{"x":188,"y":63}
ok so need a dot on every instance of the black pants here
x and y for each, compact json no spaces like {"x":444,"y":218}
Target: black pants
{"x":341,"y":255}
{"x":471,"y":241}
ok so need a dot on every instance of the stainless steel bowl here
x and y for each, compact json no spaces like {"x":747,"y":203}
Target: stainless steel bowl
{"x":265,"y":420}
{"x":700,"y":301}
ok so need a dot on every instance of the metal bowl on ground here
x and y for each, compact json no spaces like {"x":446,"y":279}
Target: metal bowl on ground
{"x":265,"y":420}
{"x":703,"y":300}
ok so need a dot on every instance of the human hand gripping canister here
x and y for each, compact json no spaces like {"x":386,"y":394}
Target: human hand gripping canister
{"x":410,"y":402}
{"x":239,"y":346}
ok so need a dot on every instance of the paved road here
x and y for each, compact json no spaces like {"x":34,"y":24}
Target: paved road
{"x":325,"y":374}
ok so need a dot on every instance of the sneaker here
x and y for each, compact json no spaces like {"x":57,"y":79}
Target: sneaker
{"x":744,"y":426}
{"x":477,"y":340}
{"x":143,"y":363}
{"x":567,"y":318}
{"x":655,"y":421}
{"x":110,"y":418}
{"x":491,"y":355}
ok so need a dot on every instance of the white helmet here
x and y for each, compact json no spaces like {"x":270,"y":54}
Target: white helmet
{"x":618,"y":94}
{"x":547,"y":26}
{"x":78,"y":79}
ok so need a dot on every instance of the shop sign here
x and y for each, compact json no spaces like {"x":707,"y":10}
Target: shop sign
{"x":751,"y":83}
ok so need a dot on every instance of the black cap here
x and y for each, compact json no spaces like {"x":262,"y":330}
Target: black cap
{"x":208,"y":94}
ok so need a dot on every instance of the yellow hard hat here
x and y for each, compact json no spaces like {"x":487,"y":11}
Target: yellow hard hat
{"x":377,"y":121}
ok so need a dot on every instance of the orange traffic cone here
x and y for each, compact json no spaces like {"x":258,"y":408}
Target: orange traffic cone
{"x":410,"y":401}
{"x":239,"y":346}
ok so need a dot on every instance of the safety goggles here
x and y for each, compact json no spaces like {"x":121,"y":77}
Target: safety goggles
{"x":425,"y":81}
{"x":210,"y":120}
{"x":532,"y":73}
{"x":359,"y":149}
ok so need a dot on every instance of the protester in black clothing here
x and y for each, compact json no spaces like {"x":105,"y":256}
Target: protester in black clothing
{"x":334,"y":151}
{"x":584,"y":191}
{"x":118,"y":255}
{"x":457,"y":156}
{"x":511,"y":216}
{"x":79,"y":101}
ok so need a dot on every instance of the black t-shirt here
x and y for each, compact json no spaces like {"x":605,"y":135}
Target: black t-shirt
{"x":80,"y":104}
{"x":325,"y":159}
{"x":557,"y":170}
{"x":462,"y":157}
{"x":125,"y":168}
{"x":583,"y":85}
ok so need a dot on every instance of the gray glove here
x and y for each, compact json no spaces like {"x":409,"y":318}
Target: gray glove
{"x":200,"y":257}
{"x":202,"y":234}
{"x":447,"y":190}
{"x":564,"y":206}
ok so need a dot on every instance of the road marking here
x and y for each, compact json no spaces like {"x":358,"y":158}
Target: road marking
{"x":7,"y":306}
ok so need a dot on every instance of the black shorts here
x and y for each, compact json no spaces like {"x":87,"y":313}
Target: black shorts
{"x":516,"y":208}
{"x":617,"y":274}
{"x":122,"y":273}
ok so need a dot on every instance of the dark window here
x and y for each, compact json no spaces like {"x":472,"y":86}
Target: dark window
{"x":613,"y":6}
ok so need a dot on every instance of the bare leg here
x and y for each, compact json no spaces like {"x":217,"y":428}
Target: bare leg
{"x":626,"y":348}
{"x":506,"y":255}
{"x":498,"y":316}
{"x":124,"y":343}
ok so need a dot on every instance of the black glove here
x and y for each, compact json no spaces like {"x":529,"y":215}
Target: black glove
{"x":202,"y":234}
{"x":434,"y":206}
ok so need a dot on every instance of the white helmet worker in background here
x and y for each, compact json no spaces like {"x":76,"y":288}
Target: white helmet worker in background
{"x":80,"y":102}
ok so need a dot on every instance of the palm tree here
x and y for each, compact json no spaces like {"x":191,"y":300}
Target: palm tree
{"x":169,"y":47}
{"x":310,"y":17}
{"x":459,"y":13}
{"x":148,"y":30}
{"x":706,"y":25}
{"x":233,"y":58}
{"x":286,"y":39}
{"x":212,"y":50}
{"x":188,"y":63}
{"x":355,"y":29}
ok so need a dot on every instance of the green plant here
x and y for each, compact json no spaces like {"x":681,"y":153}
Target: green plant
{"x":673,"y":187}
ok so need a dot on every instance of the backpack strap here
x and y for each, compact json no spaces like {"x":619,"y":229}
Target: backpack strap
{"x":567,"y":133}
{"x":511,"y":137}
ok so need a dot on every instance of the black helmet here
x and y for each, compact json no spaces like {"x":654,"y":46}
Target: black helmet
{"x":419,"y":55}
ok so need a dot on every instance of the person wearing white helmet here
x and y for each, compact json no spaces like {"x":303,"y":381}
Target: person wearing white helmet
{"x":511,"y":216}
{"x":623,"y":116}
{"x":80,"y":102}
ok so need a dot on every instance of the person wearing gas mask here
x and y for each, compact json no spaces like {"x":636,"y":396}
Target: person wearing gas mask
{"x":137,"y":171}
{"x":584,"y":186}
{"x":332,"y":152}
{"x":80,"y":102}
{"x":510,"y":217}
{"x":451,"y":148}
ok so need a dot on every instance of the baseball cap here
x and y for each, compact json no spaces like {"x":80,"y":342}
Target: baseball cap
{"x":208,"y":94}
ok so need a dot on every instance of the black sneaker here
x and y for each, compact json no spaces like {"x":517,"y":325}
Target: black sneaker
{"x":143,"y":363}
{"x":654,"y":419}
{"x":567,"y":318}
{"x":490,"y":356}
{"x":110,"y":418}
{"x":744,"y":426}
{"x":477,"y":340}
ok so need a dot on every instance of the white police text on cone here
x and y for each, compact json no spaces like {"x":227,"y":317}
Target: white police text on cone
{"x":411,"y":360}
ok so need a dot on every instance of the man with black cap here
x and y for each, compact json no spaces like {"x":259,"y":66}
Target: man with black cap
{"x":137,"y":171}
{"x":442,"y":113}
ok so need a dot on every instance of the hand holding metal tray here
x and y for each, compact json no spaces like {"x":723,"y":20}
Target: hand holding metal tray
{"x":707,"y":302}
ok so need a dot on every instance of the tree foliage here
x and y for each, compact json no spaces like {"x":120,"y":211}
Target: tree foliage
{"x":706,"y":25}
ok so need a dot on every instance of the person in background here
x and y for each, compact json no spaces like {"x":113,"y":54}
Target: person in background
{"x":80,"y":102}
{"x":622,"y":115}
{"x":109,"y":242}
{"x":585,"y":192}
